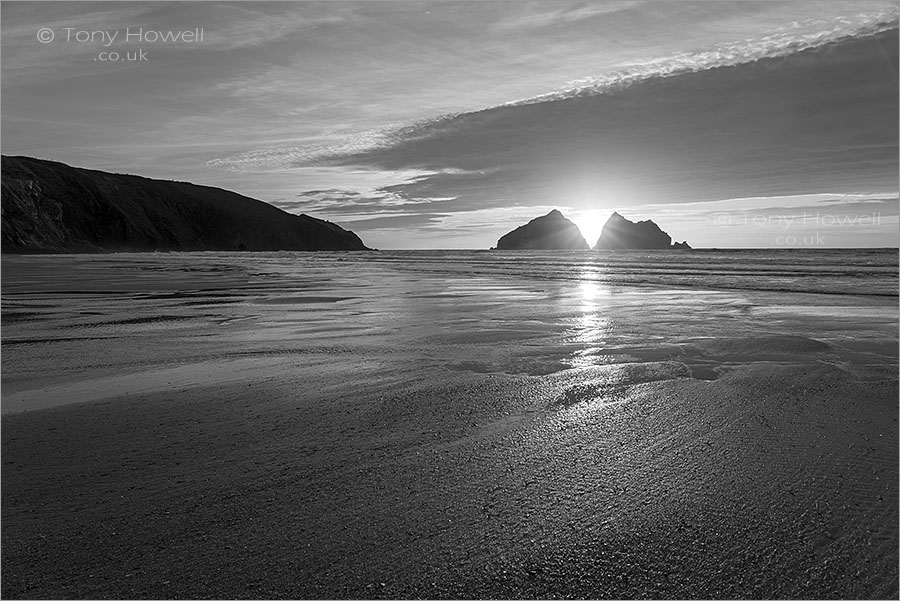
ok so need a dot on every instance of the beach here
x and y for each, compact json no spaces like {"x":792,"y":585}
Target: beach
{"x":468,"y":425}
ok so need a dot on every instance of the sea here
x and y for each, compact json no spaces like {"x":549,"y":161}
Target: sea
{"x":451,"y":424}
{"x":81,"y":327}
{"x":858,"y":272}
{"x":863,"y":272}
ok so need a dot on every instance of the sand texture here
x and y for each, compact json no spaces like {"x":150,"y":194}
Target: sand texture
{"x":212,"y":428}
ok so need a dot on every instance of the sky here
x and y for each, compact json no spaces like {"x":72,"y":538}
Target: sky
{"x":446,"y":124}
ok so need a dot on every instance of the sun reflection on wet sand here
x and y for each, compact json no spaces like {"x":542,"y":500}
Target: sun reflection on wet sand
{"x":592,"y":326}
{"x":386,"y":413}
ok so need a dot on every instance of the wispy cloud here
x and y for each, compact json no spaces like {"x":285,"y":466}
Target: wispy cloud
{"x":395,"y":222}
{"x":465,"y":116}
{"x":26,"y":59}
{"x":536,"y":15}
{"x":790,"y":39}
{"x":246,"y":25}
{"x":345,"y":201}
{"x":674,"y":139}
{"x":798,"y":36}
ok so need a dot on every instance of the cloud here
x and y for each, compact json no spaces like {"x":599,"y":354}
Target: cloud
{"x":241,"y":25}
{"x":25,"y":59}
{"x":370,"y":109}
{"x":707,"y":125}
{"x":783,"y":41}
{"x":774,"y":127}
{"x":534,"y":16}
{"x":339,"y":201}
{"x":329,"y":192}
{"x":395,"y":222}
{"x":343,"y":146}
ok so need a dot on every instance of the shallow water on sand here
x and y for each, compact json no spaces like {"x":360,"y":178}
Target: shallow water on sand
{"x":79,"y":328}
{"x":450,"y":426}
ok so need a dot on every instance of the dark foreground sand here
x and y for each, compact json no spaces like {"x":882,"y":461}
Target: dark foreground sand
{"x":766,"y":483}
{"x":586,"y":443}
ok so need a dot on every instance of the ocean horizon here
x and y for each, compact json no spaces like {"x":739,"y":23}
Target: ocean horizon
{"x":424,"y":299}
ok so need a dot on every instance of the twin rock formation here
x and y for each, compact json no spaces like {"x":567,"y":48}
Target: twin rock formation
{"x":555,"y":232}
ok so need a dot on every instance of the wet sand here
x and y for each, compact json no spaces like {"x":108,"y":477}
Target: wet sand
{"x":442,"y":439}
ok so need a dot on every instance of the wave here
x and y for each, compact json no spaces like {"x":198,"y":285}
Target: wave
{"x":843,"y":272}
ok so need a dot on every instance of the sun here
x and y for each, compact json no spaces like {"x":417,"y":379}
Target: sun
{"x":591,"y":224}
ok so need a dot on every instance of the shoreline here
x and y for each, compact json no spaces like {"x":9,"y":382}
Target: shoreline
{"x":270,"y":429}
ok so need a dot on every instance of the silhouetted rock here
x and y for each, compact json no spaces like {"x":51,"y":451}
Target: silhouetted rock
{"x":681,"y":246}
{"x":52,"y":207}
{"x":619,"y":232}
{"x":550,"y":232}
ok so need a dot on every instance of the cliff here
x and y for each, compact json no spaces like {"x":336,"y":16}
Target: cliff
{"x":619,"y":232}
{"x":550,"y":232}
{"x":54,"y":208}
